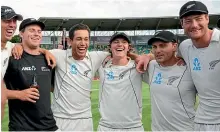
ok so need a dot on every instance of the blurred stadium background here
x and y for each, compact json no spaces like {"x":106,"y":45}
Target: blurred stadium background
{"x":139,"y":30}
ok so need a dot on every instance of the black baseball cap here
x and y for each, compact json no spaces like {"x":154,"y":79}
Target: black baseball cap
{"x":119,"y":35}
{"x":192,"y":7}
{"x":218,"y":23}
{"x":8,"y":13}
{"x":165,"y":36}
{"x":31,"y":21}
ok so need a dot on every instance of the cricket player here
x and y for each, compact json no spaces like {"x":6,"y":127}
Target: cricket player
{"x":29,"y":82}
{"x":202,"y":56}
{"x":120,"y":92}
{"x":73,"y":78}
{"x":74,"y":73}
{"x":8,"y":26}
{"x":172,"y":91}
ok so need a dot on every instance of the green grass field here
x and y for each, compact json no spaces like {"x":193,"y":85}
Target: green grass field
{"x":145,"y":115}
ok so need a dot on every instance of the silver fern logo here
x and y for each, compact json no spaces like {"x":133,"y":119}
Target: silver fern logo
{"x":172,"y":79}
{"x":5,"y":61}
{"x":212,"y":64}
{"x":86,"y":72}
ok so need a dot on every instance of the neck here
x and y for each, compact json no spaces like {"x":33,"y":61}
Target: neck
{"x":34,"y":51}
{"x":204,"y":40}
{"x":120,"y":61}
{"x":172,"y":61}
{"x":77,"y":57}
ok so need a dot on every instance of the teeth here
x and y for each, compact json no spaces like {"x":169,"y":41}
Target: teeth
{"x":10,"y":31}
{"x":35,"y":39}
{"x":81,"y":48}
{"x":119,"y":49}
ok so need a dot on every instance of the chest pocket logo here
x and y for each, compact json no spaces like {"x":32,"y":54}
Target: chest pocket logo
{"x":110,"y":75}
{"x":196,"y":65}
{"x":73,"y":69}
{"x":158,"y":79}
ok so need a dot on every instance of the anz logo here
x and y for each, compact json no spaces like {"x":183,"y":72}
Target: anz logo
{"x":110,"y":75}
{"x":158,"y":78}
{"x":196,"y":65}
{"x":32,"y":68}
{"x":73,"y":69}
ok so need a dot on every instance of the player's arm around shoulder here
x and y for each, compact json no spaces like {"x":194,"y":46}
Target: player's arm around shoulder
{"x":97,"y":57}
{"x":17,"y":52}
{"x":149,"y":70}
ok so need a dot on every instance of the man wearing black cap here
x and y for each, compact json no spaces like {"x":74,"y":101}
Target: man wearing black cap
{"x":202,"y":55}
{"x":29,"y":83}
{"x":172,"y":90}
{"x":120,"y":102}
{"x":8,"y":26}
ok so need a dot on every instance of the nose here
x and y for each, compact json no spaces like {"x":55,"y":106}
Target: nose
{"x":12,"y":23}
{"x":194,"y":24}
{"x":156,"y":50}
{"x":83,"y":42}
{"x":36,"y":33}
{"x":119,"y":44}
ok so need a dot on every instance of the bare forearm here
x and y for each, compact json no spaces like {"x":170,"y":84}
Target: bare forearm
{"x":43,"y":51}
{"x":151,"y":56}
{"x":133,"y":56}
{"x":13,"y":94}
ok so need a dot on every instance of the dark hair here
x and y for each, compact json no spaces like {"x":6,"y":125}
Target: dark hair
{"x":77,"y":27}
{"x":22,"y":30}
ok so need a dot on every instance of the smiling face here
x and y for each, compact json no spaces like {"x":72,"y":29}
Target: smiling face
{"x":163,"y":51}
{"x":80,"y":44}
{"x":119,"y":48}
{"x":31,"y":36}
{"x":195,"y":26}
{"x":8,"y":28}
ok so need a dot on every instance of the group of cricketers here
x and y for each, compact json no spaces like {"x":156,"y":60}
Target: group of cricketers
{"x":175,"y":73}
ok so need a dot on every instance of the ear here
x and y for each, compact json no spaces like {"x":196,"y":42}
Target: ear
{"x":175,"y":46}
{"x":21,"y":34}
{"x":181,"y":22}
{"x":130,"y":48}
{"x":207,"y":17}
{"x":69,"y":41}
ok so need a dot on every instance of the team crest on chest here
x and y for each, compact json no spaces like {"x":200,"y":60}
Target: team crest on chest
{"x":172,"y":79}
{"x":213,"y":63}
